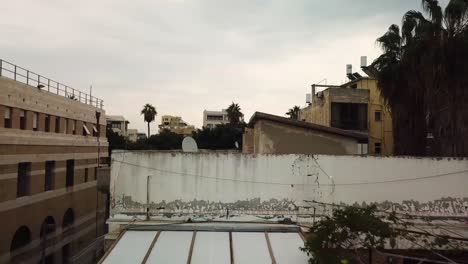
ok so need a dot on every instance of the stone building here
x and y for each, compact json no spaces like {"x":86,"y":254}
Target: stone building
{"x":357,"y":106}
{"x":176,"y":125}
{"x":213,"y":118}
{"x":270,"y":134}
{"x":54,"y":171}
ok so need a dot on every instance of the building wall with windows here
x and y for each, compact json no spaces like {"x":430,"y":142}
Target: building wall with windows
{"x":176,"y":125}
{"x":356,"y":105}
{"x":53,"y":153}
{"x":214,"y":118}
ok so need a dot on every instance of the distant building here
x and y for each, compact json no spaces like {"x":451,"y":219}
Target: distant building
{"x":176,"y":125}
{"x":271,"y":134}
{"x":132,"y":135}
{"x":118,"y":124}
{"x":214,"y":118}
{"x":356,"y":105}
{"x":53,"y":171}
{"x":141,"y":136}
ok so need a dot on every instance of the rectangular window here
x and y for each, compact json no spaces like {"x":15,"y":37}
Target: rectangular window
{"x":73,"y":126}
{"x":349,"y":116}
{"x":24,"y":178}
{"x":378,"y":148}
{"x":85,"y":130}
{"x":7,"y":117}
{"x":22,"y":119}
{"x":95,"y":131}
{"x":378,"y":116}
{"x":47,"y":123}
{"x":57,"y":124}
{"x":65,"y":124}
{"x":86,"y":173}
{"x":70,"y":173}
{"x":49,"y":175}
{"x":35,"y":128}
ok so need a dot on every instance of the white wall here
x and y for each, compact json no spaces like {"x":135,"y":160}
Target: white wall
{"x":218,"y":180}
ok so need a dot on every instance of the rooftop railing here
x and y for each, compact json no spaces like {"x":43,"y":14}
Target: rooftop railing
{"x":14,"y":72}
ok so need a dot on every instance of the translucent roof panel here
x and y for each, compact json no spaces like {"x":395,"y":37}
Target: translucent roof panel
{"x":131,"y":247}
{"x":171,"y":247}
{"x":250,"y":248}
{"x":285,"y":247}
{"x":211,"y":248}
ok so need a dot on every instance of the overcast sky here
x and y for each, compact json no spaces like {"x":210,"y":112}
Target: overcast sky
{"x":184,"y":56}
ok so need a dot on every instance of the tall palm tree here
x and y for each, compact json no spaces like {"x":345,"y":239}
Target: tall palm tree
{"x":149,"y":113}
{"x":234,"y":114}
{"x":293,"y":113}
{"x":423,"y":77}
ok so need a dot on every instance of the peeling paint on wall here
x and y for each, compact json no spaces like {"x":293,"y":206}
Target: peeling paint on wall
{"x":277,"y":186}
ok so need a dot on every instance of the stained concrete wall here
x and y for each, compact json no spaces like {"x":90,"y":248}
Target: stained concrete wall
{"x":279,"y":184}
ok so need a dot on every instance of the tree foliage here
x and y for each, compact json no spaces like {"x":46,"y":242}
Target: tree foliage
{"x":234,"y":114}
{"x":293,"y":113}
{"x":220,"y":137}
{"x":423,"y":77}
{"x":149,"y":113}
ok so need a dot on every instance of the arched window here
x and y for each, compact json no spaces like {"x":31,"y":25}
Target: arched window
{"x":21,"y":238}
{"x":68,"y":218}
{"x":48,"y":226}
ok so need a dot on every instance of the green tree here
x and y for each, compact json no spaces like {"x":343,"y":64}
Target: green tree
{"x":220,"y":137}
{"x":149,"y":113}
{"x":293,"y":113}
{"x":423,"y":77}
{"x":234,"y":114}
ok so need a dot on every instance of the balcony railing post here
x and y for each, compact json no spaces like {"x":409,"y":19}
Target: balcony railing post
{"x":15,"y":72}
{"x":79,"y":96}
{"x":1,"y":67}
{"x":48,"y":84}
{"x":27,"y":77}
{"x":66,"y":91}
{"x":38,"y":80}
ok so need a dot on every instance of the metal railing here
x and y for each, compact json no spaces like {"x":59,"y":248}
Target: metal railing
{"x":14,"y":72}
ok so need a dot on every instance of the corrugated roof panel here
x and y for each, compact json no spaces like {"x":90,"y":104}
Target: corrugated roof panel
{"x":211,"y":248}
{"x":250,"y":248}
{"x":131,"y":248}
{"x":285,"y":247}
{"x":172,"y":247}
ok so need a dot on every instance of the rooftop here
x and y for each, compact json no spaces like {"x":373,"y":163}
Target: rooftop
{"x":292,"y":122}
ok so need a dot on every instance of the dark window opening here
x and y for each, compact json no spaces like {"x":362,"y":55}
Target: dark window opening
{"x":7,"y":117}
{"x":24,"y":177}
{"x":70,"y":175}
{"x":68,"y":218}
{"x":35,"y":121}
{"x":86,"y":173}
{"x":57,"y":124}
{"x":349,"y":116}
{"x":73,"y":126}
{"x":22,"y":119}
{"x":378,"y":148}
{"x":66,"y":254}
{"x":47,"y":123}
{"x":48,"y":226}
{"x":377,"y":116}
{"x":95,"y":173}
{"x":21,"y":238}
{"x":49,"y":175}
{"x":49,"y":259}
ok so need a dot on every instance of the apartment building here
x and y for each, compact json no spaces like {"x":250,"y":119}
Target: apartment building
{"x":176,"y":125}
{"x":54,"y":171}
{"x":214,"y":118}
{"x":356,"y":105}
{"x":118,"y":124}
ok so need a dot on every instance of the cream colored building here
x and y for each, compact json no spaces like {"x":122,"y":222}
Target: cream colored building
{"x":54,"y":171}
{"x":356,"y":105}
{"x":176,"y":125}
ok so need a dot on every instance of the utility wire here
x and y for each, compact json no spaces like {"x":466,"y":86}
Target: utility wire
{"x":279,"y":183}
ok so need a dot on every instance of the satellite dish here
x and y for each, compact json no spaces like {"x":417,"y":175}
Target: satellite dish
{"x":189,"y":145}
{"x":236,"y":144}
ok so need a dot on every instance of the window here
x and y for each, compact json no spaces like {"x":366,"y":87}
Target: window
{"x":35,"y":128}
{"x":68,"y":218}
{"x":85,"y":130}
{"x":86,"y":173}
{"x":49,"y":175}
{"x":47,"y":123}
{"x":95,"y":131}
{"x":349,"y":116}
{"x":377,"y":148}
{"x":21,"y":238}
{"x":115,"y":125}
{"x":57,"y":124}
{"x":22,"y":119}
{"x":24,"y":177}
{"x":47,"y":227}
{"x":73,"y":126}
{"x":70,"y":173}
{"x":65,"y":130}
{"x":214,"y":117}
{"x":7,"y":117}
{"x":95,"y":173}
{"x":377,"y":116}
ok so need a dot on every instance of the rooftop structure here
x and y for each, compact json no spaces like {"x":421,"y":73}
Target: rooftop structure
{"x":214,"y":118}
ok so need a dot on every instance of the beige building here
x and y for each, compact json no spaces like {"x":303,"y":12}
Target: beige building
{"x":53,"y":171}
{"x":270,"y":134}
{"x":214,"y":118}
{"x":118,"y":124}
{"x":176,"y":125}
{"x":356,"y":105}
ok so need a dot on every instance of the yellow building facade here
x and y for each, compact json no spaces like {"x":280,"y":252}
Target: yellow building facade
{"x":356,"y":105}
{"x":176,"y":125}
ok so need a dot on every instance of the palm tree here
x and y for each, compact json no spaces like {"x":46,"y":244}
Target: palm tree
{"x":234,"y":114}
{"x":423,"y":78}
{"x":294,"y":112}
{"x":149,"y":113}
